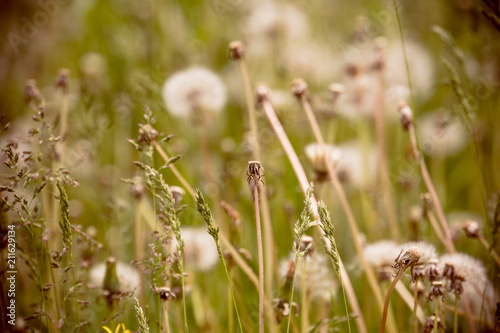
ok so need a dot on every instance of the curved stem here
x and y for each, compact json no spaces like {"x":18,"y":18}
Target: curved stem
{"x":388,"y":296}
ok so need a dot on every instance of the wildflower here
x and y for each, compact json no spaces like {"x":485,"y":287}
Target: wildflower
{"x":381,"y":256}
{"x":192,"y":90}
{"x":441,"y":134}
{"x":431,"y":270}
{"x":199,"y":250}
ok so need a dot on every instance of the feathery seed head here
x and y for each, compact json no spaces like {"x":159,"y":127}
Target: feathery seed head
{"x":336,"y":89}
{"x":194,"y":90}
{"x":427,"y":250}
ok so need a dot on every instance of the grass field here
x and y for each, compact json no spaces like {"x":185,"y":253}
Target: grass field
{"x":258,"y":166}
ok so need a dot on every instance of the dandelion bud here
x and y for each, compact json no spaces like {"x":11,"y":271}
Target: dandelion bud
{"x":299,"y":88}
{"x":236,"y":51}
{"x":471,"y":229}
{"x":405,"y":115}
{"x":31,"y":92}
{"x":62,"y":80}
{"x":111,"y":282}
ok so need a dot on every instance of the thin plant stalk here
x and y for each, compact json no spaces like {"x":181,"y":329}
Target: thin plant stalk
{"x":493,"y":252}
{"x":297,"y":256}
{"x":437,"y":228}
{"x":436,"y":316}
{"x":260,"y":255}
{"x":204,"y":210}
{"x":415,"y":306}
{"x":304,"y":301}
{"x":388,"y":296}
{"x":382,"y":156}
{"x":455,"y":316}
{"x":432,"y":191}
{"x":269,"y":247}
{"x":347,"y":209}
{"x":304,"y":184}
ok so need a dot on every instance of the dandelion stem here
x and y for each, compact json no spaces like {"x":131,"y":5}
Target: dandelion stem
{"x":415,"y":306}
{"x":266,"y":215}
{"x":490,"y":249}
{"x":455,"y":316}
{"x":388,"y":296}
{"x":430,"y":187}
{"x":260,"y":255}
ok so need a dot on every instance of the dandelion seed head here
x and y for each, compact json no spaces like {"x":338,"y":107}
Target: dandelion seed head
{"x":427,"y":250}
{"x":441,"y":134}
{"x":321,"y":155}
{"x":381,"y":253}
{"x":475,"y":279}
{"x":194,"y":89}
{"x":127,"y":275}
{"x":200,"y":252}
{"x":351,"y":165}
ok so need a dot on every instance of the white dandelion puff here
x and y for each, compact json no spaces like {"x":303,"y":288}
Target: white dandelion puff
{"x":193,"y":90}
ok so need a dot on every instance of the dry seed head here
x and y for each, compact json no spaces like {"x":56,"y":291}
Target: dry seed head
{"x":299,"y":88}
{"x":449,"y":270}
{"x":236,"y":51}
{"x":407,"y":256}
{"x":431,"y":270}
{"x":262,"y":93}
{"x":405,"y":115}
{"x":321,"y":156}
{"x":437,"y":289}
{"x":255,"y":173}
{"x":471,"y":229}
{"x":165,"y":293}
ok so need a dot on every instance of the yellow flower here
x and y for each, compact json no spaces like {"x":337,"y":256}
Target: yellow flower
{"x":117,"y":330}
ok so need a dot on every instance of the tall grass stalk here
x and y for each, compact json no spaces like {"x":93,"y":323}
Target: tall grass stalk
{"x":68,"y":242}
{"x":372,"y":281}
{"x":236,"y":52}
{"x":331,"y":249}
{"x":263,"y":97}
{"x":205,"y":212}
